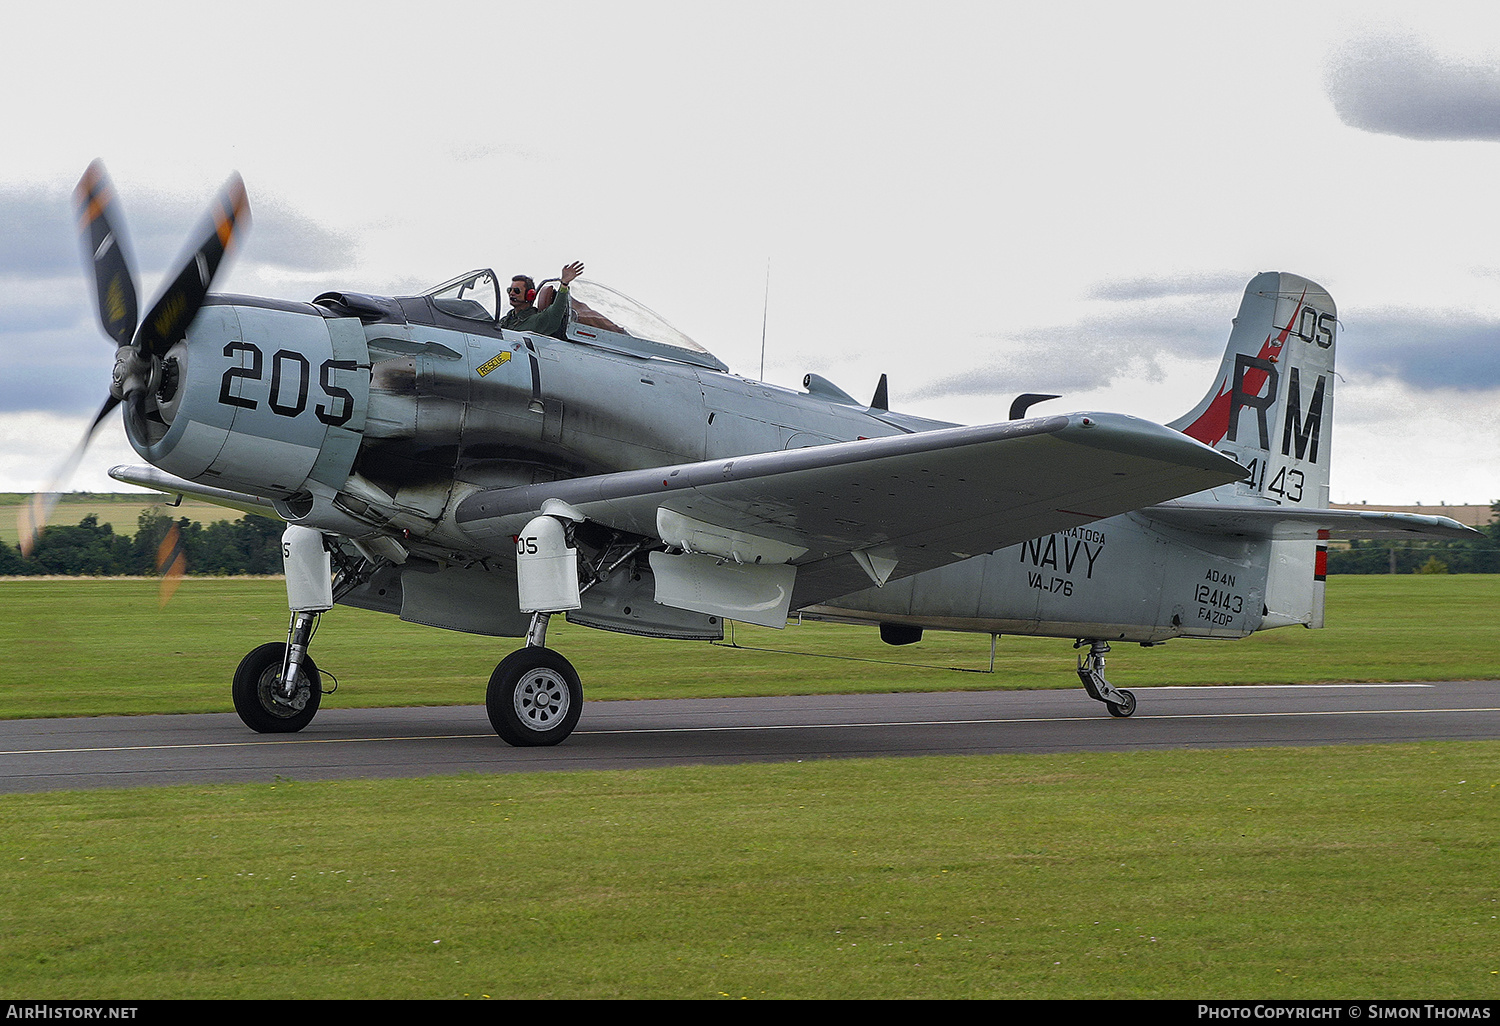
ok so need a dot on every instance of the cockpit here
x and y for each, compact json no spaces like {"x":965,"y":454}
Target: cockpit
{"x":597,"y":316}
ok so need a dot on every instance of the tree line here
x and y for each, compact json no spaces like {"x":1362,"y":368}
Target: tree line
{"x":252,"y":545}
{"x":1433,"y":556}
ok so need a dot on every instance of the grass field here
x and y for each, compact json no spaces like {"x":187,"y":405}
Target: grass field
{"x":1359,"y":872}
{"x":88,"y":647}
{"x":1340,"y":872}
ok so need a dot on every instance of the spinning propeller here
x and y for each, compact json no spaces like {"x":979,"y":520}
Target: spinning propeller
{"x":140,"y":368}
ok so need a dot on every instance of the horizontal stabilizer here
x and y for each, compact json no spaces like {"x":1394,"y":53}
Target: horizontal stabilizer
{"x":1278,"y":521}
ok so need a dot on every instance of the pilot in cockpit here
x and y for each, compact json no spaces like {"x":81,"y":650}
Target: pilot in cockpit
{"x":525,"y":315}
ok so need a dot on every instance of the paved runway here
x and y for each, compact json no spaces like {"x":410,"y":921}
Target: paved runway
{"x":130,"y":751}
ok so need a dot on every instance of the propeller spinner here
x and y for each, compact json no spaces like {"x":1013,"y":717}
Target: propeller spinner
{"x":141,"y":346}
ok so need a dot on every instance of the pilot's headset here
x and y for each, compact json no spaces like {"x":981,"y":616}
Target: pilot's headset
{"x":530,"y":286}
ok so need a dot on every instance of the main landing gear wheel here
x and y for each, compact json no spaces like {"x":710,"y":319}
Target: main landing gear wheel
{"x":534,"y":698}
{"x":260,"y":699}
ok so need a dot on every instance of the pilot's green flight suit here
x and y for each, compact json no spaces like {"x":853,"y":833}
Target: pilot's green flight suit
{"x":540,"y":322}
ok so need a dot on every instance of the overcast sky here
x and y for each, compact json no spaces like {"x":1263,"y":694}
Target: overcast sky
{"x":979,"y":199}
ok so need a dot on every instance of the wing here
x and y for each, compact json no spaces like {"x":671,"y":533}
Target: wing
{"x":847,"y":513}
{"x":1284,"y":521}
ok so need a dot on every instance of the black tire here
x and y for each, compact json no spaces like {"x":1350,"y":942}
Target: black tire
{"x":534,"y":698}
{"x":260,"y":672}
{"x":1122,"y":710}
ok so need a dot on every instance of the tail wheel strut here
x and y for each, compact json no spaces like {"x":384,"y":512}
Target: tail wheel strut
{"x":1118,"y":701}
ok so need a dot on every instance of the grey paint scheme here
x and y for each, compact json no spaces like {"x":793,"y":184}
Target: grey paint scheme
{"x":456,"y":437}
{"x":1122,"y":578}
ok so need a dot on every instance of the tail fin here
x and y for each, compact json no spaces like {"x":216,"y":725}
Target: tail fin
{"x":1271,"y":405}
{"x":1271,"y":408}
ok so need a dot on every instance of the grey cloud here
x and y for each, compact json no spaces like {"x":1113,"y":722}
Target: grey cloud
{"x":279,"y":235}
{"x":287,"y":238}
{"x":57,"y":369}
{"x":29,"y":303}
{"x":1228,"y":283}
{"x":23,"y":317}
{"x":1426,"y":350}
{"x":475,"y":151}
{"x":39,"y":235}
{"x":1087,"y":355}
{"x":55,"y":389}
{"x":1399,"y":86}
{"x":1184,"y":315}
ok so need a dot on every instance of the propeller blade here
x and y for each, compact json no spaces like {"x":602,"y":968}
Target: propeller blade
{"x":171,"y":563}
{"x":32,"y":516}
{"x":178,"y":304}
{"x":106,"y":253}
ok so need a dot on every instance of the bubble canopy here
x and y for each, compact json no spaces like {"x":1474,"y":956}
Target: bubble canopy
{"x":597,"y":315}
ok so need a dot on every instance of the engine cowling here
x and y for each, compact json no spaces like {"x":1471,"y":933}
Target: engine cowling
{"x":266,"y":398}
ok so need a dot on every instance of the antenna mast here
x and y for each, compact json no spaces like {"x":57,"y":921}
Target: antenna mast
{"x":764,"y":310}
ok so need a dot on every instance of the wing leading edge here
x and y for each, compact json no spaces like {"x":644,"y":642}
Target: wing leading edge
{"x":887,"y":507}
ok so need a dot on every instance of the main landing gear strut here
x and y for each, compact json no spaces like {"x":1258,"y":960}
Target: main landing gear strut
{"x":534,"y":697}
{"x":1118,"y":701}
{"x":277,"y":686}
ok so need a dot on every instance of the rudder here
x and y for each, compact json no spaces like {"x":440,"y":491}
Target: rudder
{"x":1271,"y":409}
{"x":1271,"y":405}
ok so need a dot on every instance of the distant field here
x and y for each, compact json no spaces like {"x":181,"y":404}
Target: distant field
{"x":121,"y":510}
{"x":94,"y":646}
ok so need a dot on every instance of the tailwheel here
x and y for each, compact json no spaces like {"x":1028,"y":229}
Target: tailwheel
{"x":1119,"y":702}
{"x":1126,"y":705}
{"x":534,"y":697}
{"x":264,"y":703}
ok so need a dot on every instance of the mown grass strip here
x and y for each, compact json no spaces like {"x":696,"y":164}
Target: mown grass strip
{"x":90,"y":647}
{"x":1332,"y":872}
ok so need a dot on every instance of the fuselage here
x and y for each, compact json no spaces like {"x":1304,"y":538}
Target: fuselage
{"x":393,"y":413}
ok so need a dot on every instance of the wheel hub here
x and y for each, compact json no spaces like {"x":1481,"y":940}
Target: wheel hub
{"x":541,"y":699}
{"x":273,"y":697}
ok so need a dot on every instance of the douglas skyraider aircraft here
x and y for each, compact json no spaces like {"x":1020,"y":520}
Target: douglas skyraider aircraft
{"x":433,"y":465}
